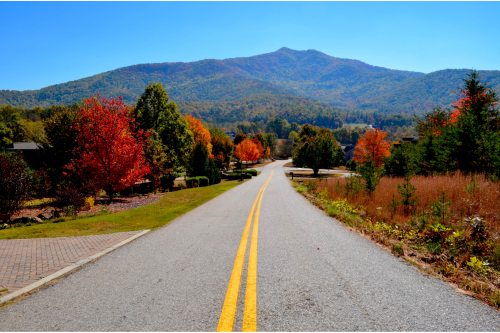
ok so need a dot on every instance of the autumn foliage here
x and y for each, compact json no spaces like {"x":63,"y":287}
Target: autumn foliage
{"x":372,"y":146}
{"x":108,"y":151}
{"x":247,"y":150}
{"x":200,"y":133}
{"x":259,"y":146}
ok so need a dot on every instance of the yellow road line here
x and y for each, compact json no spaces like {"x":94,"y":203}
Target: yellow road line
{"x":226,"y":320}
{"x":250,"y":312}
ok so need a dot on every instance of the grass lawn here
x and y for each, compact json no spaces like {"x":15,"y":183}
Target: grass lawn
{"x":152,"y":216}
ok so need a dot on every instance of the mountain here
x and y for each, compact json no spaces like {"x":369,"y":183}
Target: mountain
{"x":309,"y":74}
{"x":260,"y":107}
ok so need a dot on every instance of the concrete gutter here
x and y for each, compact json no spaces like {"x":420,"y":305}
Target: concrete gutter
{"x":68,"y":269}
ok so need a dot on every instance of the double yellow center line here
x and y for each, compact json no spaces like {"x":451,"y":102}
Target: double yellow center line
{"x":230,"y":306}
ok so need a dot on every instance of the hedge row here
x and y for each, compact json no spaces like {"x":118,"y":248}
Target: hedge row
{"x":200,"y":181}
{"x":235,"y":176}
{"x":249,"y":171}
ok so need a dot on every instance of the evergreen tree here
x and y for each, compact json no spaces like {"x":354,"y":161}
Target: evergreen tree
{"x":403,"y":160}
{"x":61,"y":142}
{"x":200,"y":164}
{"x":407,"y":192}
{"x":477,"y":127}
{"x":371,"y":174}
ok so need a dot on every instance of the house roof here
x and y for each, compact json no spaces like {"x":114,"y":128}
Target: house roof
{"x":410,"y":138}
{"x":24,"y":146}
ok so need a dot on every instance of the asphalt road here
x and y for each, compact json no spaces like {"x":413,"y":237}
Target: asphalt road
{"x":312,"y":275}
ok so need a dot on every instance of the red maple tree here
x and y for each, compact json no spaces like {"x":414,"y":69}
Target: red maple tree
{"x":372,"y":146}
{"x":110,"y":149}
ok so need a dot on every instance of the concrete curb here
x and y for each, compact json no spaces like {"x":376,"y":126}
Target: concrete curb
{"x":68,"y":269}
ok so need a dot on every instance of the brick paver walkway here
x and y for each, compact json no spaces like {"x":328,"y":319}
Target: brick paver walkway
{"x":24,"y":261}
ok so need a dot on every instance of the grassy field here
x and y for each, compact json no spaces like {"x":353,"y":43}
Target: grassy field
{"x":306,"y":174}
{"x":152,"y":216}
{"x":453,"y":236}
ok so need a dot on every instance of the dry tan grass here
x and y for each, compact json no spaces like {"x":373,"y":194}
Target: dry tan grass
{"x":486,"y":203}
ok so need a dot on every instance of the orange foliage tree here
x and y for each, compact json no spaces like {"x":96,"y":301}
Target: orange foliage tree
{"x":200,"y":133}
{"x":372,"y":147}
{"x":259,"y":146}
{"x":247,"y":150}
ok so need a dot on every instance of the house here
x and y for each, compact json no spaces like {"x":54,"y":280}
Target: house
{"x":231,"y":135}
{"x":406,"y":139}
{"x":30,"y":152}
{"x":412,"y":139}
{"x":348,"y":151}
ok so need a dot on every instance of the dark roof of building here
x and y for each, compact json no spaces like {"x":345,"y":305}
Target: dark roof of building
{"x":410,"y":138}
{"x":348,"y":148}
{"x":24,"y":146}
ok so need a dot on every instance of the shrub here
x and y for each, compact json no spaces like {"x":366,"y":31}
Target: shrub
{"x":40,"y":184}
{"x":70,"y":196}
{"x":249,"y":171}
{"x":70,"y":210}
{"x":236,"y":176}
{"x":89,"y":203}
{"x":312,"y":185}
{"x":192,"y":182}
{"x":351,"y":165}
{"x":214,"y":174}
{"x":15,"y":183}
{"x":167,"y":180}
{"x":398,"y":248}
{"x":352,"y":185}
{"x":198,"y":181}
{"x":203,"y":181}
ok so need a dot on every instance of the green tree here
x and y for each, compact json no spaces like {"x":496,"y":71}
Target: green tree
{"x":467,"y":138}
{"x":318,"y":152}
{"x":200,"y":164}
{"x":6,"y":136}
{"x":403,"y":160}
{"x":440,"y":209}
{"x":308,"y":131}
{"x":222,"y":148}
{"x":61,"y":142}
{"x":294,"y":136}
{"x":239,"y":138}
{"x":157,"y":159}
{"x":279,"y":126}
{"x":11,"y":117}
{"x":407,"y":192}
{"x":272,"y":138}
{"x":477,"y":127}
{"x":155,"y":113}
{"x":370,"y":174}
{"x":295,"y":127}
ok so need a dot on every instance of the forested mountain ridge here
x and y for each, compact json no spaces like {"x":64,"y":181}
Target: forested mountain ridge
{"x":311,"y":74}
{"x":260,"y":107}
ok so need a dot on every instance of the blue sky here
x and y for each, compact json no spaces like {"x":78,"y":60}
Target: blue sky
{"x":45,"y":43}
